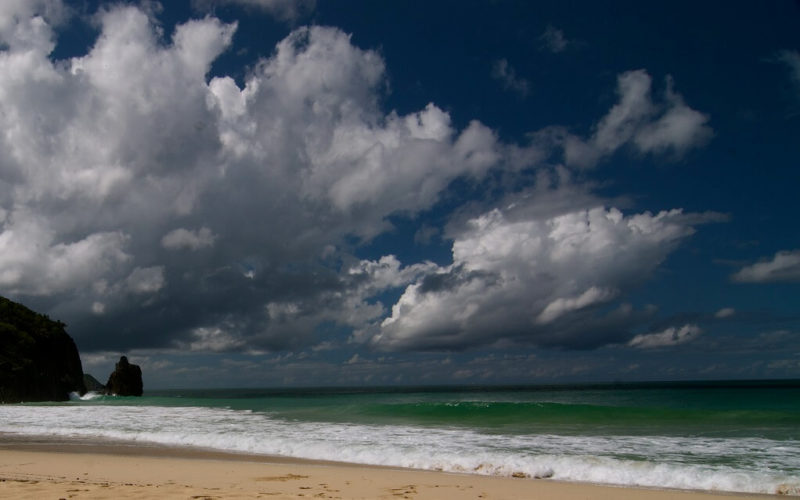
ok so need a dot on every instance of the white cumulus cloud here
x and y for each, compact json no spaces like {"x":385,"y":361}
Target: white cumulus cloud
{"x":546,"y":280}
{"x":146,"y":279}
{"x":34,"y":262}
{"x":563,"y":305}
{"x":639,"y":121}
{"x":791,"y":58}
{"x":725,"y":312}
{"x":669,"y":337}
{"x":119,"y":165}
{"x":288,"y":10}
{"x":553,"y":39}
{"x":507,"y":75}
{"x":784,"y":266}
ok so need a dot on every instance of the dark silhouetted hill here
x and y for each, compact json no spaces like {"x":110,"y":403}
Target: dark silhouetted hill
{"x":38,"y":359}
{"x":92,"y":384}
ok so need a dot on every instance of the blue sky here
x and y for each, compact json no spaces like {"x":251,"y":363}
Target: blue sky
{"x":268,"y":192}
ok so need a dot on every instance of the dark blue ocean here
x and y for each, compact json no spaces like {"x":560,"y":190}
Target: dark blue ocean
{"x":729,"y":436}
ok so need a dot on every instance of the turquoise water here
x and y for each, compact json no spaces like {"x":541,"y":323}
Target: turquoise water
{"x":733,"y":436}
{"x":768,"y":410}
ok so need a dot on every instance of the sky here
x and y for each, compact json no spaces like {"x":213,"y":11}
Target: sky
{"x":266,"y":193}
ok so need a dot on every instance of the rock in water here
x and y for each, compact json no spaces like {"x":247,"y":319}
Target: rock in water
{"x":126,"y":380}
{"x":38,"y":359}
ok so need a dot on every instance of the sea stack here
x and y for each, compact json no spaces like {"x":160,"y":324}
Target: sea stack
{"x":126,"y":379}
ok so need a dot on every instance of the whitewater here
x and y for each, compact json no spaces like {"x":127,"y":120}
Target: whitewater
{"x":686,"y":438}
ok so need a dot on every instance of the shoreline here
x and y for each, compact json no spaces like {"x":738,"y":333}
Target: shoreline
{"x":108,"y":446}
{"x":34,"y":467}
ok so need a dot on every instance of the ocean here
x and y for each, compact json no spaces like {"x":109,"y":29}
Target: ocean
{"x":724,"y":436}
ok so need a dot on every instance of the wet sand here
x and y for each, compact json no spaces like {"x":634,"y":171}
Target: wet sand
{"x":39,"y":469}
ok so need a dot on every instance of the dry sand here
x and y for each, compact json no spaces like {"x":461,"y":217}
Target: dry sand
{"x":81,"y":471}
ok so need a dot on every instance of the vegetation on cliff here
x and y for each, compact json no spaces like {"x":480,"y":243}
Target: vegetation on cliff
{"x":38,"y":359}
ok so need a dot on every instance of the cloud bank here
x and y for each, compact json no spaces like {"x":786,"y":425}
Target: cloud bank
{"x":548,"y":281}
{"x":139,"y":190}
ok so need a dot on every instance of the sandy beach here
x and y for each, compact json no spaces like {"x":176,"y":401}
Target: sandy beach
{"x":86,"y":470}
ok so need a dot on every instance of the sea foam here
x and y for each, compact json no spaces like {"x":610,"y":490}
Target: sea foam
{"x":89,"y":396}
{"x":754,"y":465}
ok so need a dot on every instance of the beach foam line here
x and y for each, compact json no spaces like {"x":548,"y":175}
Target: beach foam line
{"x":593,"y":459}
{"x":158,"y":473}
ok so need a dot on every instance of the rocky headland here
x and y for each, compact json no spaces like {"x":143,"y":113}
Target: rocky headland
{"x":39,"y":361}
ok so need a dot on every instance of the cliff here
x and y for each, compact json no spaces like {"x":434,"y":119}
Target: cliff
{"x":38,"y":359}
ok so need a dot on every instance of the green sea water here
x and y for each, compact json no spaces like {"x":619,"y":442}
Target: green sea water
{"x":769,"y":409}
{"x":733,"y":436}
